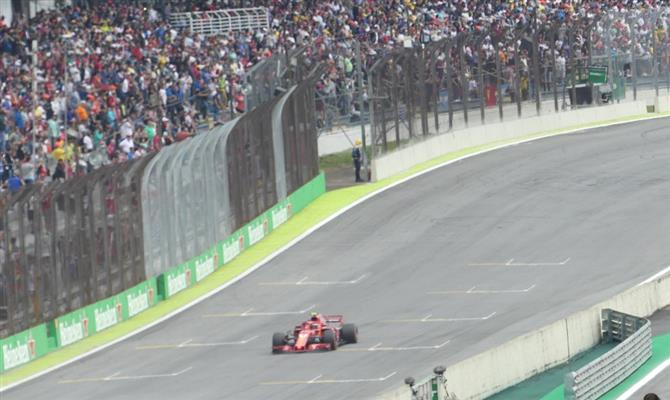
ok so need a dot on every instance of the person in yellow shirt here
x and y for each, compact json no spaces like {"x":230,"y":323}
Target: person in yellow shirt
{"x":58,"y":153}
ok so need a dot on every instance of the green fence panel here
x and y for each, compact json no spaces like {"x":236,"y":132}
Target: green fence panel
{"x":23,"y":347}
{"x":279,"y":214}
{"x":139,"y":298}
{"x":302,"y":197}
{"x":204,"y":265}
{"x":233,"y":246}
{"x":70,"y":328}
{"x":104,"y":314}
{"x":175,"y":280}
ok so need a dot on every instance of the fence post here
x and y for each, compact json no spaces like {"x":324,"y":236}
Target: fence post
{"x":536,"y":72}
{"x":517,"y":74}
{"x":450,"y":91}
{"x":481,"y":59}
{"x":373,"y":127}
{"x":463,"y":39}
{"x":554,"y":75}
{"x":654,"y":47}
{"x":361,"y":102}
{"x":499,"y":82}
{"x":633,"y":62}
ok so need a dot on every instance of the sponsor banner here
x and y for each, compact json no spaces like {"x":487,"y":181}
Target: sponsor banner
{"x":204,"y":265}
{"x":280,"y":214}
{"x":71,"y":328}
{"x":138,"y":298}
{"x":232,"y":246}
{"x":176,"y":280}
{"x":104,"y":314}
{"x":257,"y":229}
{"x":23,"y":347}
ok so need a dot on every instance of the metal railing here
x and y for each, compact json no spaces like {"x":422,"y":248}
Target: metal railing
{"x":602,"y":374}
{"x":210,"y":23}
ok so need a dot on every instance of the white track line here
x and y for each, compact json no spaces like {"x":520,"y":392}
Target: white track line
{"x":654,"y":277}
{"x":250,"y":313}
{"x":473,"y":290}
{"x":305,"y":282}
{"x":639,"y":384}
{"x":117,"y":377}
{"x":190,"y":344}
{"x":429,"y":318}
{"x":318,"y":380}
{"x":511,"y":263}
{"x":308,"y":232}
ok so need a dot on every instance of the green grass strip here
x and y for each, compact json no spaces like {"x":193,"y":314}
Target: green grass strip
{"x":660,"y":352}
{"x":323,"y":207}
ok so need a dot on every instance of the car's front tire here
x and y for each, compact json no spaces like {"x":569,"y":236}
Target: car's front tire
{"x":330,"y":338}
{"x":277,"y":340}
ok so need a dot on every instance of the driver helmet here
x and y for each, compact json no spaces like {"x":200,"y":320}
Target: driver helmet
{"x":314,"y":316}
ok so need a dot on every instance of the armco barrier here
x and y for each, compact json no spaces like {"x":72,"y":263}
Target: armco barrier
{"x":602,"y":374}
{"x":23,"y":347}
{"x":435,"y":146}
{"x":512,"y":362}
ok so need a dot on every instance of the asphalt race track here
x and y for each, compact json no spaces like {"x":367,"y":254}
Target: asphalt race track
{"x":433,"y":271}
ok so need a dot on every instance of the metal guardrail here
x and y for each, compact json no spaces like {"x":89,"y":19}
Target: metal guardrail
{"x":607,"y":371}
{"x":210,"y":23}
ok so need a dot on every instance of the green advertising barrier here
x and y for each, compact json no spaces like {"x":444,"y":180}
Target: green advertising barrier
{"x":104,"y":314}
{"x":23,"y":347}
{"x":308,"y":193}
{"x":174,"y":281}
{"x":139,"y":298}
{"x":69,"y":328}
{"x":204,"y":265}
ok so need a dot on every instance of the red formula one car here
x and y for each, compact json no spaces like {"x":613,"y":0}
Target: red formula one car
{"x":320,"y":332}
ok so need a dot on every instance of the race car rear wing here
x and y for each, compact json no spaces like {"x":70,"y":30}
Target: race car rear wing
{"x":334,"y":319}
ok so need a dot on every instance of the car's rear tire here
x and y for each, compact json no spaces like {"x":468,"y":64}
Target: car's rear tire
{"x":277,"y":340}
{"x":349,"y":333}
{"x":329,"y":338}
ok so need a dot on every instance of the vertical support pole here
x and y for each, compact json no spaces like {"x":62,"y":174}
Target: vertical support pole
{"x":499,"y":98}
{"x":464,"y":84}
{"x":573,"y":71}
{"x":359,"y":72}
{"x":34,"y":51}
{"x":517,"y":74}
{"x":536,"y":72}
{"x":633,"y":62}
{"x":450,"y":85}
{"x":373,"y":127}
{"x":554,"y":75}
{"x":481,"y":59}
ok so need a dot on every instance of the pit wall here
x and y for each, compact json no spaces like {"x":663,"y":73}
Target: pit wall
{"x":525,"y":356}
{"x":33,"y":343}
{"x":401,"y":160}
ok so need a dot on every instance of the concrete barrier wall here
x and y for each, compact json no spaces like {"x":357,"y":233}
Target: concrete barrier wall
{"x":511,"y":363}
{"x":401,"y":160}
{"x":662,"y":104}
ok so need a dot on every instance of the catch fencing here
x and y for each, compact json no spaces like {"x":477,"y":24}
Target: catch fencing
{"x":516,"y":71}
{"x":66,"y":245}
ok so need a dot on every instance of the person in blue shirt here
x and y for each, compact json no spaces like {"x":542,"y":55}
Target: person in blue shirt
{"x":14,"y":184}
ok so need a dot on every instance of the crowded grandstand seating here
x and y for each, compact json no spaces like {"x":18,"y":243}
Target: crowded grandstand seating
{"x":117,"y":81}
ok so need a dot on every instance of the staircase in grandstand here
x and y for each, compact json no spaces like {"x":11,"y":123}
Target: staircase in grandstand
{"x":210,"y":23}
